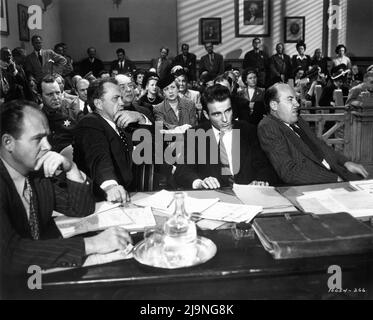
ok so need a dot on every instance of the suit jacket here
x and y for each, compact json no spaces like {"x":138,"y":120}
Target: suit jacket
{"x":255,"y":114}
{"x":293,"y":160}
{"x":18,"y":249}
{"x":279,"y":66}
{"x":100,"y":153}
{"x":187,"y":113}
{"x":34,"y":68}
{"x":189,"y":65}
{"x":129,"y":66}
{"x":252,"y":162}
{"x":86,"y":66}
{"x":165,"y":67}
{"x":216,"y":68}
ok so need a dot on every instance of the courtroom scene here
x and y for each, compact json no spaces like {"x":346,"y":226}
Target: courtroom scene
{"x":186,"y":150}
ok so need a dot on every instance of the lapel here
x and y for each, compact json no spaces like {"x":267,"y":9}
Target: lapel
{"x":170,"y":112}
{"x":19,"y":217}
{"x":295,"y":140}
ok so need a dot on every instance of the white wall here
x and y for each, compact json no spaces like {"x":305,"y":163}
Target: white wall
{"x":190,"y":11}
{"x":51,"y":25}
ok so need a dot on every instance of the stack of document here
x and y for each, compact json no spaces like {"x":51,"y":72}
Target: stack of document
{"x":357,"y":203}
{"x":162,"y":202}
{"x":105,"y":216}
{"x":267,"y":197}
{"x":363,"y":185}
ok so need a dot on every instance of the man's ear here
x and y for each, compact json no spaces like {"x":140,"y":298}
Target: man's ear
{"x":98,"y":103}
{"x":273,"y":105}
{"x":206,"y":114}
{"x":7,"y":141}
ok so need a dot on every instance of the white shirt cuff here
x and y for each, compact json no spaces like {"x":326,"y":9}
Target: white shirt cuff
{"x":147,"y":121}
{"x":197,"y":184}
{"x":108,"y":183}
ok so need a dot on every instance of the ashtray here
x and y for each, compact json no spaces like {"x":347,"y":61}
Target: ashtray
{"x":206,"y":250}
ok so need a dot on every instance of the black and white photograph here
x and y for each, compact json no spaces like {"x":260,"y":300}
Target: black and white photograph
{"x":186,"y":156}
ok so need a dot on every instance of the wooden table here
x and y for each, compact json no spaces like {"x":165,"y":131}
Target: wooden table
{"x":241,"y":269}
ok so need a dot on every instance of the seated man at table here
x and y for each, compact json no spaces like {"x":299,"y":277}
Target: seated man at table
{"x":34,"y":181}
{"x":295,"y":152}
{"x":103,"y":149}
{"x":231,"y":152}
{"x":355,"y":97}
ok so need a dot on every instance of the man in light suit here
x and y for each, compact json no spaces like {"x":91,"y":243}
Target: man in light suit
{"x":42,"y":62}
{"x":184,"y":92}
{"x":295,"y":152}
{"x":238,"y":157}
{"x":34,"y":181}
{"x":122,"y":64}
{"x":212,"y":62}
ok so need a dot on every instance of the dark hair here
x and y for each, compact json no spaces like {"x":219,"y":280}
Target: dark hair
{"x":90,"y":49}
{"x":301,"y":43}
{"x":339,"y":47}
{"x":96,"y":90}
{"x":185,"y":45}
{"x":12,"y":114}
{"x":271,"y":94}
{"x":223,"y":77}
{"x":165,"y":48}
{"x":102,"y":72}
{"x":255,"y":39}
{"x":58,"y":45}
{"x":34,"y":37}
{"x":121,"y":50}
{"x":17,"y":52}
{"x":245,"y":73}
{"x":217,"y":92}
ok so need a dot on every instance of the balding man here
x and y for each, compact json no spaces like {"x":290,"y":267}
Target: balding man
{"x":295,"y":152}
{"x":81,"y":89}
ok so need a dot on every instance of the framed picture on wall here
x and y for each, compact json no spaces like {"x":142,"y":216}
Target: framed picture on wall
{"x":295,"y":29}
{"x":4,"y":20}
{"x":24,"y":31}
{"x":119,"y":29}
{"x":210,"y":30}
{"x":252,"y":18}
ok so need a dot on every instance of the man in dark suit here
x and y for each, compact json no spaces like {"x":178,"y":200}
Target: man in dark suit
{"x":19,"y":57}
{"x":187,"y":61}
{"x":35,"y":181}
{"x":162,"y":64}
{"x":231,"y":153}
{"x":122,"y":64}
{"x":295,"y":152}
{"x":280,"y":66}
{"x":212,"y":62}
{"x":42,"y":62}
{"x":103,"y":149}
{"x":91,"y":64}
{"x":257,"y":60}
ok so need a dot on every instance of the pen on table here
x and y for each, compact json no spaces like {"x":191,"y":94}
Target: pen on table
{"x":169,"y":205}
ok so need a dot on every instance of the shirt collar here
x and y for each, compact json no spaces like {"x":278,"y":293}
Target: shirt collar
{"x":301,"y":58}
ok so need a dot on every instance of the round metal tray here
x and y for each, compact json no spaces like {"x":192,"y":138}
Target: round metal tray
{"x":206,"y":250}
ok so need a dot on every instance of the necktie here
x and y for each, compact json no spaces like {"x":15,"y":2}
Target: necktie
{"x":85,"y":109}
{"x":124,"y":139}
{"x":226,"y":171}
{"x":33,"y":220}
{"x":311,"y":145}
{"x":211,"y":59}
{"x":40,"y":58}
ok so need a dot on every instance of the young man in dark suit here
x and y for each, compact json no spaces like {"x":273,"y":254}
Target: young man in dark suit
{"x":35,"y":181}
{"x":280,"y":66}
{"x":231,"y":153}
{"x":122,"y":64}
{"x":212,"y":62}
{"x":295,"y":152}
{"x":188,"y":61}
{"x":91,"y":64}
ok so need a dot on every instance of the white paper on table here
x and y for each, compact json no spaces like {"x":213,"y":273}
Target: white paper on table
{"x":363,"y":185}
{"x":267,"y":197}
{"x":230,"y":212}
{"x":160,"y":200}
{"x":141,"y":218}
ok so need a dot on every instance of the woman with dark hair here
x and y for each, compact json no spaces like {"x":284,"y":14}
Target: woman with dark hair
{"x":151,"y":92}
{"x":301,"y":59}
{"x":138,"y":78}
{"x":254,"y":95}
{"x":341,"y":57}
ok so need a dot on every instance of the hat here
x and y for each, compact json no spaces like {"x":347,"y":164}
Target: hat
{"x":149,"y":76}
{"x":166,"y":81}
{"x":176,"y":69}
{"x":339,"y":71}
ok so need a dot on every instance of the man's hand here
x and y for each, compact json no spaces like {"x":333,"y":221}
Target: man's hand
{"x":124,"y":118}
{"x":116,"y":193}
{"x":209,"y":183}
{"x":110,"y":240}
{"x":356,"y":168}
{"x":259,"y":183}
{"x":53,"y":161}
